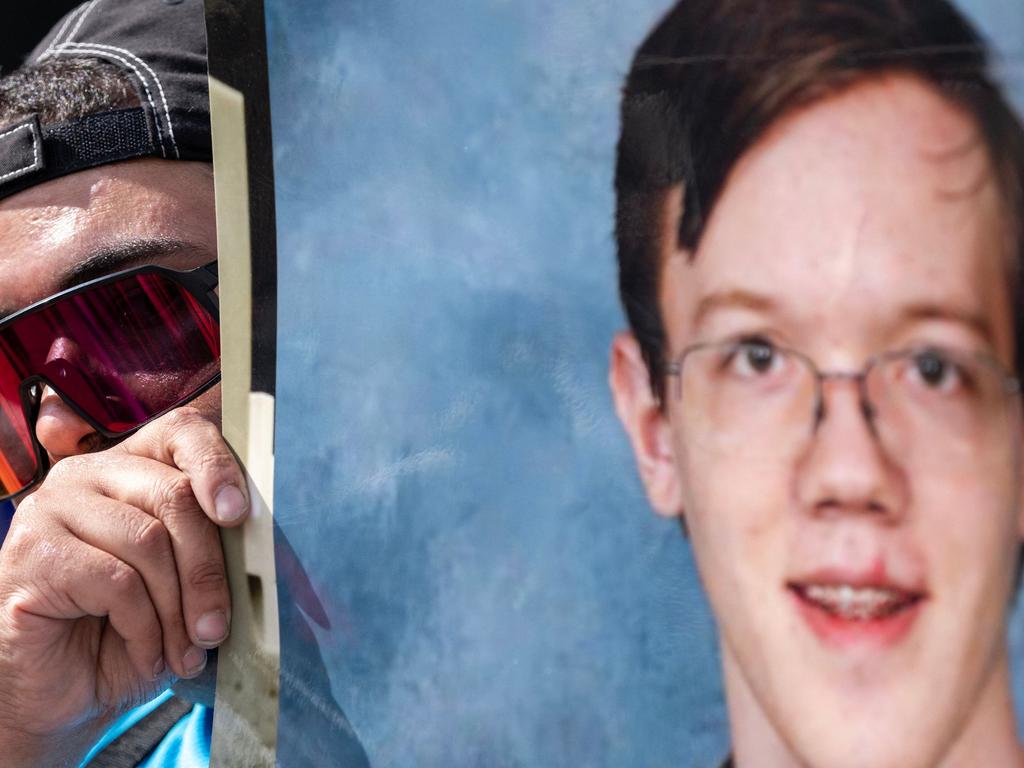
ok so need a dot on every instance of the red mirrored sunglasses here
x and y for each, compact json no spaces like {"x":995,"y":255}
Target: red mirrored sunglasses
{"x":120,"y":350}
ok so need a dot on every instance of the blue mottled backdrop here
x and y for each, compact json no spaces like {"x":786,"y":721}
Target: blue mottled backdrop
{"x":450,"y":471}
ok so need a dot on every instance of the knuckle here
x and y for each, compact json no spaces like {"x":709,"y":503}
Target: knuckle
{"x":17,"y":611}
{"x":215,"y":460}
{"x":33,"y":538}
{"x":20,"y":541}
{"x":197,"y":441}
{"x":185,"y":419}
{"x":208,"y":576}
{"x":68,"y":468}
{"x":152,"y":538}
{"x":29,"y":508}
{"x":125,"y":581}
{"x":19,"y":548}
{"x":176,"y":497}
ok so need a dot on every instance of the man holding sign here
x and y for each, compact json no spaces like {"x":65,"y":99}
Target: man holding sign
{"x":112,"y":579}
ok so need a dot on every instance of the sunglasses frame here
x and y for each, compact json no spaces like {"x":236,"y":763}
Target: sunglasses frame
{"x":200,"y":282}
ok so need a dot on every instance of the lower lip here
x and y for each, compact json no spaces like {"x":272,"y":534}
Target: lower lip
{"x":838,"y":632}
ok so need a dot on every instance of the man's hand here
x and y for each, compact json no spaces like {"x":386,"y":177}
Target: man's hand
{"x":112,"y":581}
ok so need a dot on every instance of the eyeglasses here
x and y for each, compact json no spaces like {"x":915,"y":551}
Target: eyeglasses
{"x":120,"y":350}
{"x":750,"y":398}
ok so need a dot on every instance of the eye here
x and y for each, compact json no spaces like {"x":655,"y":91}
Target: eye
{"x":936,"y":370}
{"x":754,"y":358}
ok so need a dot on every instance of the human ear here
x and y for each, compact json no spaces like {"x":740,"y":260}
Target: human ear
{"x":646,"y":424}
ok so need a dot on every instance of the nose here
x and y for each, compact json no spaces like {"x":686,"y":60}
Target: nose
{"x":62,"y":348}
{"x":60,"y":430}
{"x":846,"y":468}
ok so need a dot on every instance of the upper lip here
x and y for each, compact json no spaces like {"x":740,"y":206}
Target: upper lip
{"x":875,"y":577}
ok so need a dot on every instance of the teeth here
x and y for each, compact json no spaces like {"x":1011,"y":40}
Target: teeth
{"x":859,"y":603}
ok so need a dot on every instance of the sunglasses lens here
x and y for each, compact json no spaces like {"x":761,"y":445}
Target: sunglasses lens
{"x":18,"y":463}
{"x":122,"y":352}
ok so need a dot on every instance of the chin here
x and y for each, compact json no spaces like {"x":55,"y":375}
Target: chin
{"x":883,"y":730}
{"x":815,"y":711}
{"x":845,"y":747}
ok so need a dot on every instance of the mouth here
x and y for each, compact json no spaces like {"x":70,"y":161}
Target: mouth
{"x":843,"y":613}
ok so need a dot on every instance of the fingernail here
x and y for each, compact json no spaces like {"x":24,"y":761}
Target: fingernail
{"x":229,"y":504}
{"x":212,"y":628}
{"x":194,"y":660}
{"x":158,"y":668}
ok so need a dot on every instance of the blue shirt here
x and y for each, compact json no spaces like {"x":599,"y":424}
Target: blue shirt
{"x":186,"y":745}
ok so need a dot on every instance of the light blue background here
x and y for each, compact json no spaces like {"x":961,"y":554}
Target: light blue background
{"x":449,"y":468}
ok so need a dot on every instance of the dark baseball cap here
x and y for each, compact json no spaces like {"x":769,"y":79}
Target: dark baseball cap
{"x":161,"y":46}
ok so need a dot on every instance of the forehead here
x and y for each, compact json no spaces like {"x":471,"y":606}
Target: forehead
{"x":150,"y":210}
{"x":849,"y":210}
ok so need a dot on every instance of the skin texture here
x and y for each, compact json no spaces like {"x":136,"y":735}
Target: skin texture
{"x":845,"y":214}
{"x":112,"y":580}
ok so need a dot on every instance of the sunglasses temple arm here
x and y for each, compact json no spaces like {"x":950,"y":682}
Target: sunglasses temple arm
{"x":209,"y":272}
{"x":203,"y":280}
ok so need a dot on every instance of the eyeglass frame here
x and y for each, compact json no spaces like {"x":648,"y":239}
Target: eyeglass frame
{"x":1011,"y":384}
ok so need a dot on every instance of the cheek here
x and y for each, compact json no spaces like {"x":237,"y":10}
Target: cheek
{"x":969,"y":534}
{"x":970,"y":530}
{"x":738,"y":514}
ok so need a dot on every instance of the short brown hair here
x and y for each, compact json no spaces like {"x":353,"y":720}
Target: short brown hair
{"x":60,"y":89}
{"x":713,"y":75}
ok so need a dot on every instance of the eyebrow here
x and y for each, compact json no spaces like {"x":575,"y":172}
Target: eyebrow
{"x":120,"y":255}
{"x":930,"y":311}
{"x":124,"y":254}
{"x":916,"y":312}
{"x":731,"y":299}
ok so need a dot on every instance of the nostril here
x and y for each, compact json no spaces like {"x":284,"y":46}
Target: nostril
{"x":819,"y":413}
{"x":59,"y":429}
{"x":869,"y":411}
{"x":93,"y":442}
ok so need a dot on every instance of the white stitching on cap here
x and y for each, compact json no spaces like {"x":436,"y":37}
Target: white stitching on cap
{"x":68,"y":48}
{"x":35,"y":151}
{"x":67,"y":20}
{"x":69,"y":43}
{"x":81,"y":18}
{"x":156,"y":78}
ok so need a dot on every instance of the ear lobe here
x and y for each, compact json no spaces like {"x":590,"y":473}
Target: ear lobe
{"x":647,"y":426}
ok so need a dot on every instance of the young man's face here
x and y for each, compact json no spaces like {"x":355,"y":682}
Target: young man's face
{"x":95,"y":222}
{"x":860,"y":576}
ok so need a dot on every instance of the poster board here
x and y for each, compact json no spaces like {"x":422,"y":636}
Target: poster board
{"x":484,"y":581}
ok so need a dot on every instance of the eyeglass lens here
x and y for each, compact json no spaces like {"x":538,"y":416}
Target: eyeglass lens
{"x":755,"y":400}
